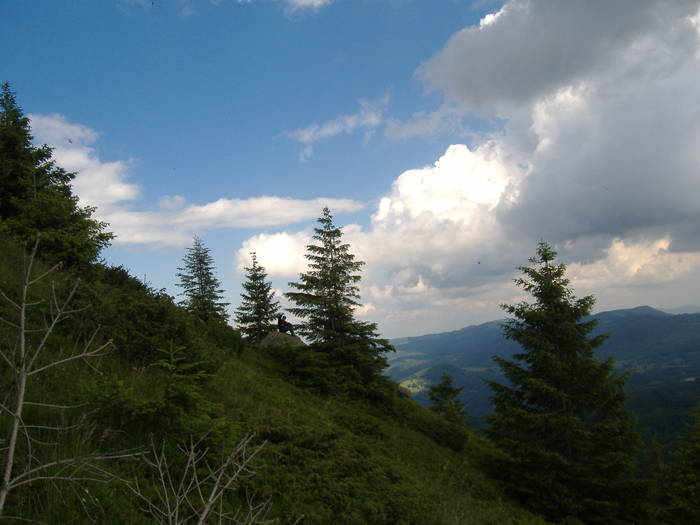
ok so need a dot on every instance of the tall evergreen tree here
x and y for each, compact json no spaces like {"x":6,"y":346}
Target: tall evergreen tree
{"x":444,"y":400}
{"x":683,"y":478}
{"x":36,"y":195}
{"x":258,"y":309}
{"x":326,"y":298}
{"x":200,"y":286}
{"x":568,"y":440}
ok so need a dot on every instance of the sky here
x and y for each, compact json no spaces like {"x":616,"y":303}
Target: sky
{"x":448,"y":137}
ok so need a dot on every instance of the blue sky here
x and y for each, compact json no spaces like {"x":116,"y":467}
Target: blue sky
{"x":449,"y":136}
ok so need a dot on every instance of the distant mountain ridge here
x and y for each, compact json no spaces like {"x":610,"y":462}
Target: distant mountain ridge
{"x":660,"y":351}
{"x":688,"y":309}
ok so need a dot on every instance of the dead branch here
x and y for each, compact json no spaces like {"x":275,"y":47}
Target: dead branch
{"x":30,"y":476}
{"x":194,"y":498}
{"x":26,"y":360}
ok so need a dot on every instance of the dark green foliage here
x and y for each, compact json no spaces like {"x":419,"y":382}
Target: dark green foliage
{"x":328,"y":292}
{"x":223,"y":337}
{"x":172,"y":352}
{"x":444,"y":398}
{"x":200,"y":286}
{"x":568,"y":440}
{"x":326,"y":297}
{"x":683,"y":478}
{"x":139,"y":319}
{"x":334,"y":460}
{"x":172,"y":404}
{"x":36,"y":196}
{"x":305,"y":367}
{"x":258,"y":310}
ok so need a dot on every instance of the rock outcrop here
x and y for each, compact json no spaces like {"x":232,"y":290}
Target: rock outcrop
{"x":276,"y":339}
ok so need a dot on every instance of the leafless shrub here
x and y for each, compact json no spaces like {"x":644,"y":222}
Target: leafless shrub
{"x":197,"y":494}
{"x":26,"y":358}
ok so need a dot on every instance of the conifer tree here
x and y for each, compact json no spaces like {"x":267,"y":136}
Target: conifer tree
{"x":684,"y":478}
{"x":258,"y":309}
{"x":200,"y":286}
{"x":326,"y":297}
{"x":444,"y":399}
{"x":568,"y":440}
{"x":36,"y":195}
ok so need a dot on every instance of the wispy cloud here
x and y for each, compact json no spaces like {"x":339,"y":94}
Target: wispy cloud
{"x":369,"y":117}
{"x":188,"y":8}
{"x":174,"y":226}
{"x":444,"y":119}
{"x":293,"y":5}
{"x":106,"y":186}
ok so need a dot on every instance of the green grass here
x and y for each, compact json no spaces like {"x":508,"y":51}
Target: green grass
{"x":342,"y":461}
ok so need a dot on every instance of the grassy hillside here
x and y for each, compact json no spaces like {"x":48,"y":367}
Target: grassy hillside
{"x":324,"y":458}
{"x":335,"y":460}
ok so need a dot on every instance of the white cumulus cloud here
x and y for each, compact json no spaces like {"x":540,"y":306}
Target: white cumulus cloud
{"x":600,"y":153}
{"x":281,"y":254}
{"x":98,"y":183}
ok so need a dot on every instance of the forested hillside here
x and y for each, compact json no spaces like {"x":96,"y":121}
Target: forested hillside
{"x":660,"y":351}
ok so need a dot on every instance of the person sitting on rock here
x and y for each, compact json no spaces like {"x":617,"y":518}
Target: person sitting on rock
{"x":283,"y":325}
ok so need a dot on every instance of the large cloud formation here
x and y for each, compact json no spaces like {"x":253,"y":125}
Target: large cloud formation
{"x":599,"y":155}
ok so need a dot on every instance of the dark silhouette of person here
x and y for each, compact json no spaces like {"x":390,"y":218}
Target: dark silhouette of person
{"x":283,"y":326}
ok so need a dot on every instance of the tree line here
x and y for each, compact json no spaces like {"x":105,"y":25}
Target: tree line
{"x":567,"y":445}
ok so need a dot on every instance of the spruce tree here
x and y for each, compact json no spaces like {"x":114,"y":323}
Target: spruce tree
{"x":258,"y":309}
{"x":444,"y":400}
{"x":683,"y":478}
{"x":36,"y":195}
{"x":200,"y":286}
{"x":326,"y":297}
{"x":568,"y":441}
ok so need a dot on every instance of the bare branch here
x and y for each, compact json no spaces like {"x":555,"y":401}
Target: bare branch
{"x":32,"y":304}
{"x":50,"y":405}
{"x":47,"y":272}
{"x":9,"y":323}
{"x":3,"y":407}
{"x":53,"y":428}
{"x":22,"y":359}
{"x":74,"y":479}
{"x":40,"y":442}
{"x":54,"y":321}
{"x":34,"y":330}
{"x":99,"y":351}
{"x":4,"y":296}
{"x":17,"y":518}
{"x":28,"y":476}
{"x":193,"y":499}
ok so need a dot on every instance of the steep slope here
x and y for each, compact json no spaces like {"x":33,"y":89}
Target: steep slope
{"x":324,"y":458}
